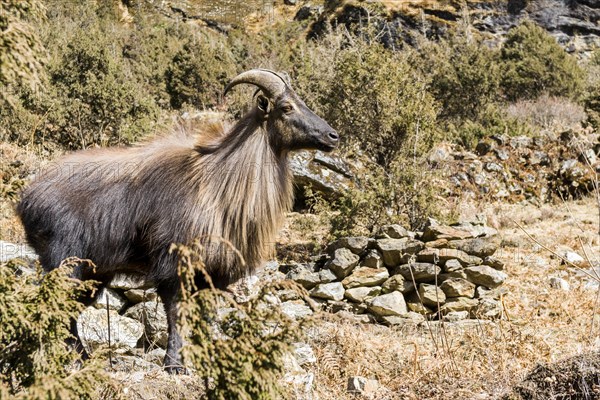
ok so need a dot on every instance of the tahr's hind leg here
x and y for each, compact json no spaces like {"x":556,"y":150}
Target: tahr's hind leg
{"x":168,"y":293}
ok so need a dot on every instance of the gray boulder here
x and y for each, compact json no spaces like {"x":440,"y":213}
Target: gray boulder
{"x":397,"y":283}
{"x":387,"y":304}
{"x":304,"y":276}
{"x":93,"y":330}
{"x":365,"y":276}
{"x":443,"y":255}
{"x":485,"y":276}
{"x":129,"y":281}
{"x":326,"y":275}
{"x":139,"y":295}
{"x":316,"y":172}
{"x":296,"y":309}
{"x":393,"y":250}
{"x":152,"y":315}
{"x":115,"y":300}
{"x":373,"y":260}
{"x":328,"y":291}
{"x":457,"y":287}
{"x":356,"y":244}
{"x":459,"y":304}
{"x":360,"y":294}
{"x":431,"y":295}
{"x":480,"y":247}
{"x":343,"y":262}
{"x":422,"y":272}
{"x":395,"y":231}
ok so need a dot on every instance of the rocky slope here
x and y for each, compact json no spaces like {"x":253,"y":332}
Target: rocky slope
{"x":574,"y":23}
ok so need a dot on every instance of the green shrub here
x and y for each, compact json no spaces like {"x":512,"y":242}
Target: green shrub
{"x":492,"y":121}
{"x":373,"y":96}
{"x":465,"y":76}
{"x":245,"y":361}
{"x":533,"y":63}
{"x":35,"y":361}
{"x":97,"y":102}
{"x":403,"y":193}
{"x":199,"y":72}
{"x":95,"y":95}
{"x":22,"y":54}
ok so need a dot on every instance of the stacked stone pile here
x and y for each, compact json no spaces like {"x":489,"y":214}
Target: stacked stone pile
{"x":523,"y":168}
{"x":443,"y":272}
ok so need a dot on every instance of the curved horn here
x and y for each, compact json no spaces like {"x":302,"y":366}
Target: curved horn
{"x":268,"y":81}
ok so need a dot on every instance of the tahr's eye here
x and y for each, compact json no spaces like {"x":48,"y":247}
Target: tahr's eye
{"x":287,"y":108}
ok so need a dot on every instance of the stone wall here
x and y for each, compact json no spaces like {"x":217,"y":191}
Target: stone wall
{"x":445,"y":272}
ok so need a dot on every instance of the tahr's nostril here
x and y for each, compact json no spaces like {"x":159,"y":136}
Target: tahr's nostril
{"x":333,"y":136}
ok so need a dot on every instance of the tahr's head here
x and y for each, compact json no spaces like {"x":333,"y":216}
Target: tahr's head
{"x":291,"y":125}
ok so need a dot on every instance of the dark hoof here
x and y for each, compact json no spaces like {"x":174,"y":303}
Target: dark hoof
{"x":175,"y":370}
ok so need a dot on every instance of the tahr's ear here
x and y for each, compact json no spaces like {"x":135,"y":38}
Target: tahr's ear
{"x":263,"y":103}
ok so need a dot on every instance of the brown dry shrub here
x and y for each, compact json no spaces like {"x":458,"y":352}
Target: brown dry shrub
{"x":550,"y":113}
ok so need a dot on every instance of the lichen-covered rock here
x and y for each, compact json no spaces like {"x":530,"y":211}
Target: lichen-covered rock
{"x":139,"y":295}
{"x":457,"y":287}
{"x":93,"y":328}
{"x":480,"y":247}
{"x":393,"y":250}
{"x":360,"y":294}
{"x":152,"y":315}
{"x":487,"y":308}
{"x":304,"y":277}
{"x":365,"y":276}
{"x":455,"y":274}
{"x":397,"y":282}
{"x":485,"y":276}
{"x":328,"y":291}
{"x":296,"y":309}
{"x":422,"y":272}
{"x":493,"y":262}
{"x":115,"y":300}
{"x":304,"y":353}
{"x":129,"y":281}
{"x":326,"y":275}
{"x":318,"y":173}
{"x":437,"y":244}
{"x":372,"y":260}
{"x":433,"y":255}
{"x":395,"y":231}
{"x":343,"y":262}
{"x":435,"y":231}
{"x":459,"y":304}
{"x":414,"y":304}
{"x":387,"y":304}
{"x":452,"y":266}
{"x":356,"y":244}
{"x":431,"y":295}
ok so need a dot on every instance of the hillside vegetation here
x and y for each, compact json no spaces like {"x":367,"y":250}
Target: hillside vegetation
{"x":78,"y":75}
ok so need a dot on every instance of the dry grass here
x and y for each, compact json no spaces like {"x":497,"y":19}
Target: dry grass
{"x":550,"y":113}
